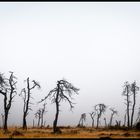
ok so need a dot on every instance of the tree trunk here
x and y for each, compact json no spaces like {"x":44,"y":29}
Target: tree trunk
{"x":57,"y":111}
{"x":133,"y":108}
{"x":24,"y":122}
{"x":5,"y":120}
{"x":92,"y":123}
{"x":33,"y":123}
{"x":124,"y":119}
{"x":38,"y":121}
{"x":97,"y":122}
{"x":111,"y":119}
{"x":128,"y":118}
{"x":105,"y":122}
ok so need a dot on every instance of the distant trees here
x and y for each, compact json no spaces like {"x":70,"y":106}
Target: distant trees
{"x":8,"y":90}
{"x":92,"y":115}
{"x":26,"y":96}
{"x":82,"y":120}
{"x":113,"y":112}
{"x":62,"y":91}
{"x":100,"y":109}
{"x":40,"y":115}
{"x":128,"y":91}
{"x":134,"y":89}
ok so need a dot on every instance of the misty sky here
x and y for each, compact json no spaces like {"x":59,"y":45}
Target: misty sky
{"x":93,"y":45}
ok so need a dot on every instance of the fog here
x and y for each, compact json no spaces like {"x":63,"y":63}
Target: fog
{"x":93,"y":45}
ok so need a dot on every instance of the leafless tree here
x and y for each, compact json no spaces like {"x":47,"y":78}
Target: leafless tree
{"x":127,"y":93}
{"x":100,"y":109}
{"x":42,"y":114}
{"x":38,"y":115}
{"x":26,"y":95}
{"x":92,"y":115}
{"x":8,"y":90}
{"x":63,"y":91}
{"x":134,"y":89}
{"x":82,"y":120}
{"x":112,"y":115}
{"x":105,"y":122}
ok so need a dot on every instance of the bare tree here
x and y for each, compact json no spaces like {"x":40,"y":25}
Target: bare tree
{"x":82,"y":120}
{"x":63,"y":91}
{"x":8,"y":90}
{"x":127,"y":93}
{"x":105,"y":122}
{"x":38,"y":115}
{"x":42,"y":114}
{"x":100,"y":109}
{"x":92,"y":115}
{"x":112,"y":115}
{"x":26,"y":95}
{"x":134,"y":89}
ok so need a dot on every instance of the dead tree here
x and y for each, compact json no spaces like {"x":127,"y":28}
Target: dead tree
{"x":134,"y":89}
{"x":118,"y":124}
{"x":63,"y":91}
{"x":8,"y":90}
{"x":105,"y":122}
{"x":82,"y":120}
{"x":92,"y":115}
{"x":100,"y":109}
{"x":42,"y":114}
{"x":112,"y":115}
{"x":127,"y":93}
{"x":38,"y":115}
{"x":26,"y":95}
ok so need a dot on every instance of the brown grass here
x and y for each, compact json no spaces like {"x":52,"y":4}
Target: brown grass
{"x":70,"y":132}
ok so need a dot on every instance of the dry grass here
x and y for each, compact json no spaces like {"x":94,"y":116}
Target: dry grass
{"x":70,"y":132}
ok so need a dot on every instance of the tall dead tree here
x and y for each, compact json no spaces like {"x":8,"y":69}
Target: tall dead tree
{"x":38,"y":115}
{"x":8,"y":90}
{"x":26,"y":95}
{"x":92,"y":115}
{"x":127,"y":93}
{"x":100,"y":109}
{"x":134,"y":89}
{"x":63,"y":91}
{"x":113,"y":112}
{"x":82,"y":120}
{"x":42,"y":114}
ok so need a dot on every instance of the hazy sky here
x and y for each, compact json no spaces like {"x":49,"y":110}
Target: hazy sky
{"x":93,"y":45}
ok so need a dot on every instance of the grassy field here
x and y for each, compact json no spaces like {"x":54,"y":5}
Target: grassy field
{"x":69,"y":133}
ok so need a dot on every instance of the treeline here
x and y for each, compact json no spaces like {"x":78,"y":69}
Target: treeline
{"x":63,"y":91}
